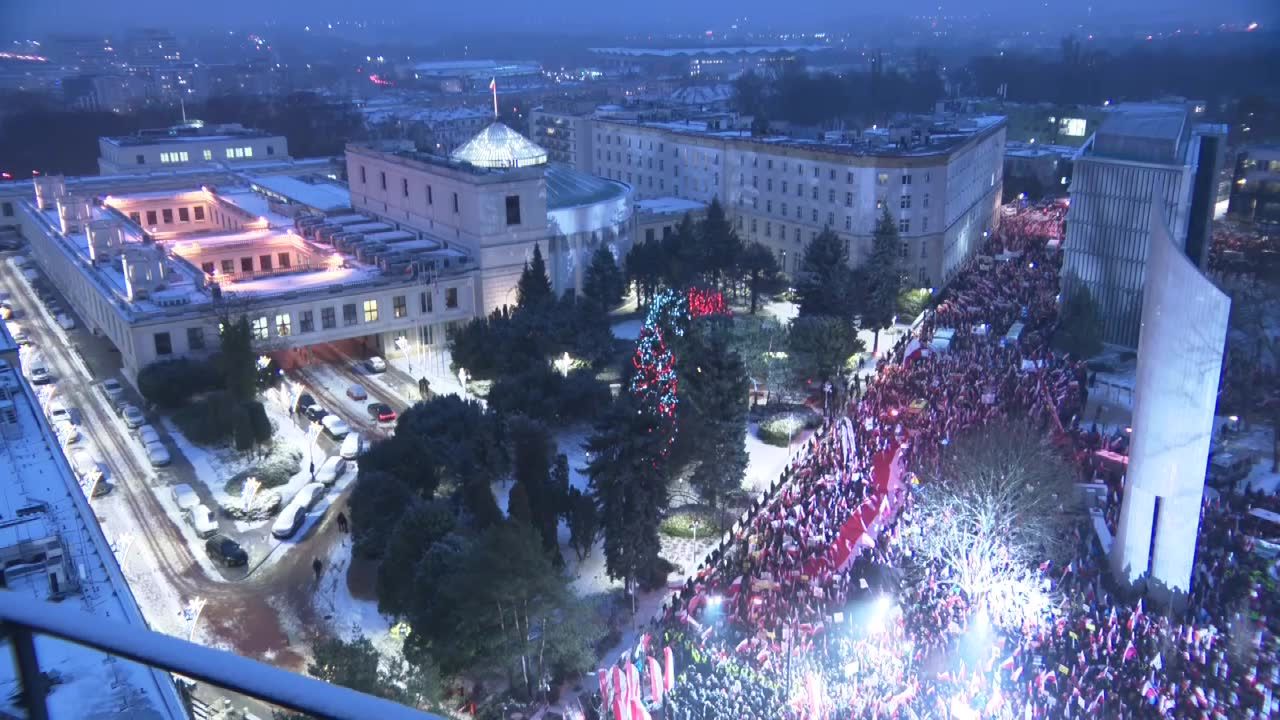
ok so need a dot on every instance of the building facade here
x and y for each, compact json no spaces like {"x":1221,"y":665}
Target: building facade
{"x":1183,"y":337}
{"x":1255,"y":185}
{"x":187,"y":146}
{"x":1143,"y":157}
{"x":942,"y":188}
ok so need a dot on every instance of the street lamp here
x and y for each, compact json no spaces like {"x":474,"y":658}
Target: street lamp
{"x":313,"y":432}
{"x":402,"y":344}
{"x":563,"y":363}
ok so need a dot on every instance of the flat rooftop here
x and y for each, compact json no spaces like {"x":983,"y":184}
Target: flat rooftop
{"x":187,"y":134}
{"x":567,"y":187}
{"x":320,"y":196}
{"x":41,"y":498}
{"x":710,"y":50}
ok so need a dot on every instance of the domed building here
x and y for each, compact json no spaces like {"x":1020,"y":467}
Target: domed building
{"x":495,"y":198}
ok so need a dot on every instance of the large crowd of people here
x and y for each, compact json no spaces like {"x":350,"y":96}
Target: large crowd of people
{"x":787,"y":620}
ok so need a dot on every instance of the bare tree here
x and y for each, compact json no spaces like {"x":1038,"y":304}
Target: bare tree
{"x":998,"y":503}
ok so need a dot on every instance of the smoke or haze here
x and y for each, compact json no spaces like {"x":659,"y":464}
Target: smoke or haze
{"x":27,"y":16}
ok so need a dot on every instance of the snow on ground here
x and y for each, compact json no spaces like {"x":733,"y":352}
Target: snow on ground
{"x":766,"y":461}
{"x":628,"y":329}
{"x":782,"y":310}
{"x":313,"y":518}
{"x":346,"y":616}
{"x":434,"y":365}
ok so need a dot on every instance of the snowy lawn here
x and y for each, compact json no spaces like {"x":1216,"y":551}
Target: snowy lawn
{"x":628,"y":329}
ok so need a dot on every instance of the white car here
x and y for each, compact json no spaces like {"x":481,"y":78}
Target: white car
{"x":331,"y":470}
{"x":40,"y":375}
{"x":20,"y":337}
{"x":58,"y":412}
{"x":309,"y":495}
{"x":185,"y":497}
{"x":200,"y":518}
{"x":157,"y":454}
{"x":376,"y":364}
{"x":148,"y":435}
{"x":133,"y":417}
{"x":66,"y":322}
{"x":67,"y":432}
{"x":112,"y":388}
{"x":85,"y":466}
{"x":352,"y":446}
{"x":335,"y":426}
{"x":288,"y":521}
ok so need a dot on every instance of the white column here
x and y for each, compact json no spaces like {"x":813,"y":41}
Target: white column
{"x":1175,"y":545}
{"x":1132,"y":549}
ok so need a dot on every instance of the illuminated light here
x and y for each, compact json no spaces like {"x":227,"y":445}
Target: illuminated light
{"x":1252,"y":26}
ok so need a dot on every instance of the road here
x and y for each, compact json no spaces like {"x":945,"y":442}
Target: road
{"x":266,"y":614}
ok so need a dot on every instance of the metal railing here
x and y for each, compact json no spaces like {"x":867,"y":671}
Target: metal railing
{"x":22,"y":618}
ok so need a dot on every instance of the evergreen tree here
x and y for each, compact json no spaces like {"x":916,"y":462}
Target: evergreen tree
{"x":531,"y":448}
{"x":628,"y":479}
{"x":518,"y":505}
{"x":1080,"y":331}
{"x":718,"y":244}
{"x":467,"y":446}
{"x":681,"y":260}
{"x":714,"y":410}
{"x":884,"y":278}
{"x":820,"y":346}
{"x":534,"y":288}
{"x":604,"y":282}
{"x":238,"y":362}
{"x":420,"y":526}
{"x":760,"y":267}
{"x":584,"y":522}
{"x":824,"y":285}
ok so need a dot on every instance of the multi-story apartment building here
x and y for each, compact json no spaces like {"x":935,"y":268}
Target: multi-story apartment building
{"x":1143,"y":156}
{"x":941,"y":183}
{"x":1255,"y":186}
{"x":185,"y":146}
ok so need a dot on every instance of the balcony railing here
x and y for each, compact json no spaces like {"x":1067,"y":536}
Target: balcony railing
{"x":22,"y":618}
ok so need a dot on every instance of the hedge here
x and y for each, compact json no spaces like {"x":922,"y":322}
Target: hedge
{"x":779,"y":429}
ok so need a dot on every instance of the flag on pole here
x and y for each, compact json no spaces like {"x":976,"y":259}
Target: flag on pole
{"x":669,"y":669}
{"x":655,"y":680}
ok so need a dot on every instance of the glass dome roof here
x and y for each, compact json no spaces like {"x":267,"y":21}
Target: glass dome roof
{"x":498,"y":146}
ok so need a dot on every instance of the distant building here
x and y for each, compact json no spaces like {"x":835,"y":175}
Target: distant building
{"x":1255,"y":186}
{"x":1142,"y":156}
{"x":185,"y":146}
{"x":1037,"y":170}
{"x":464,"y":75}
{"x":704,"y":62}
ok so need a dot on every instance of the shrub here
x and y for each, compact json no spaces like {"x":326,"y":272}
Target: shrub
{"x":684,"y":523}
{"x":242,"y":427}
{"x":542,"y":394}
{"x":276,"y":470}
{"x":171,"y":383}
{"x":259,"y":422}
{"x":207,"y":420}
{"x":780,"y":428}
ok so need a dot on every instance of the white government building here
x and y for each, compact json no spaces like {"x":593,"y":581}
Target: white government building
{"x":940,"y":180}
{"x":418,"y":243}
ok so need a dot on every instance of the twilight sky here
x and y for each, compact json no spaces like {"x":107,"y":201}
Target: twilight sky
{"x":42,"y":16}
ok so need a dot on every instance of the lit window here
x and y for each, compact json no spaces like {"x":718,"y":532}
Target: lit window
{"x":882,"y":179}
{"x":208,"y":154}
{"x":283,"y":324}
{"x":399,"y":308}
{"x":248,"y":152}
{"x":260,"y":330}
{"x":370,"y":311}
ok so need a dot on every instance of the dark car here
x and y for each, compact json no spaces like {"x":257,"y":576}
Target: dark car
{"x":223,"y":549}
{"x":315,"y":413}
{"x":305,"y":400}
{"x":382,"y":412}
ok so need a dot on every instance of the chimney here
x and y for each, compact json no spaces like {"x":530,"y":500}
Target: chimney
{"x":48,"y":189}
{"x":74,"y":213}
{"x":105,"y":239}
{"x":143,"y":271}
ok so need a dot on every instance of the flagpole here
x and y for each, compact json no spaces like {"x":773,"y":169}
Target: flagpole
{"x":493,"y":85}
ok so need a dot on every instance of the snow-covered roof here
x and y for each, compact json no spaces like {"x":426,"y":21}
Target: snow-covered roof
{"x":41,"y":502}
{"x":669,"y":205}
{"x":320,"y":196}
{"x":498,"y":146}
{"x":292,"y":282}
{"x":702,"y":94}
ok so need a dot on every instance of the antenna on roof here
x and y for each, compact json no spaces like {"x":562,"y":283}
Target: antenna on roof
{"x":493,"y":87}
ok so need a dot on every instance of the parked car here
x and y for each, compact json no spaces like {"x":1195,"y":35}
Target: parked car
{"x":157,"y":454}
{"x":357,"y":392}
{"x":40,"y":375}
{"x":226,"y":551}
{"x":1264,"y":527}
{"x":97,"y":488}
{"x":352,"y":446}
{"x":382,"y":412}
{"x":184,"y":496}
{"x":112,"y":388}
{"x":288,"y":521}
{"x":6,"y":311}
{"x":305,"y":400}
{"x":85,"y":466}
{"x":67,"y":432}
{"x":309,"y":495}
{"x":65,"y":321}
{"x":331,"y":470}
{"x":315,"y":413}
{"x":335,"y":426}
{"x":58,"y":412}
{"x":133,"y":417}
{"x":376,"y":364}
{"x":148,"y":434}
{"x":1227,"y":469}
{"x":200,"y":518}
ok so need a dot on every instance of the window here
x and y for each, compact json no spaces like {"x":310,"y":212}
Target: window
{"x":848,"y":177}
{"x":349,"y":314}
{"x":285,"y":262}
{"x":831,"y":196}
{"x":905,"y":248}
{"x":924,"y":249}
{"x":364,"y":180}
{"x":382,"y":180}
{"x":264,"y":262}
{"x":399,"y":308}
{"x":768,"y":229}
{"x":924,"y":224}
{"x":815,"y":214}
{"x":784,"y":186}
{"x":168,"y":158}
{"x":831,"y":219}
{"x":768,"y":184}
{"x":905,"y":202}
{"x":199,"y":212}
{"x":142,"y":160}
{"x":306,"y":321}
{"x":164,"y":343}
{"x":796,"y":234}
{"x":151,"y":217}
{"x":882,"y":179}
{"x":135,"y":217}
{"x":208,"y":154}
{"x":370,"y":311}
{"x":451,"y":298}
{"x":167,"y":214}
{"x":404,"y":186}
{"x":784,"y":209}
{"x":904,"y":225}
{"x":328,"y":318}
{"x":248,"y":152}
{"x":246,"y":264}
{"x":284,"y":324}
{"x":906,"y":179}
{"x":228,"y":267}
{"x":848,"y":199}
{"x":815,"y":192}
{"x":753,"y":226}
{"x":195,"y":338}
{"x":455,"y":202}
{"x":768,"y":206}
{"x":207,"y":268}
{"x":848,"y":222}
{"x":260,"y":329}
{"x":271,"y":149}
{"x":430,"y":199}
{"x":924,"y":201}
{"x":755,"y":181}
{"x":512,"y":209}
{"x":425,"y":301}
